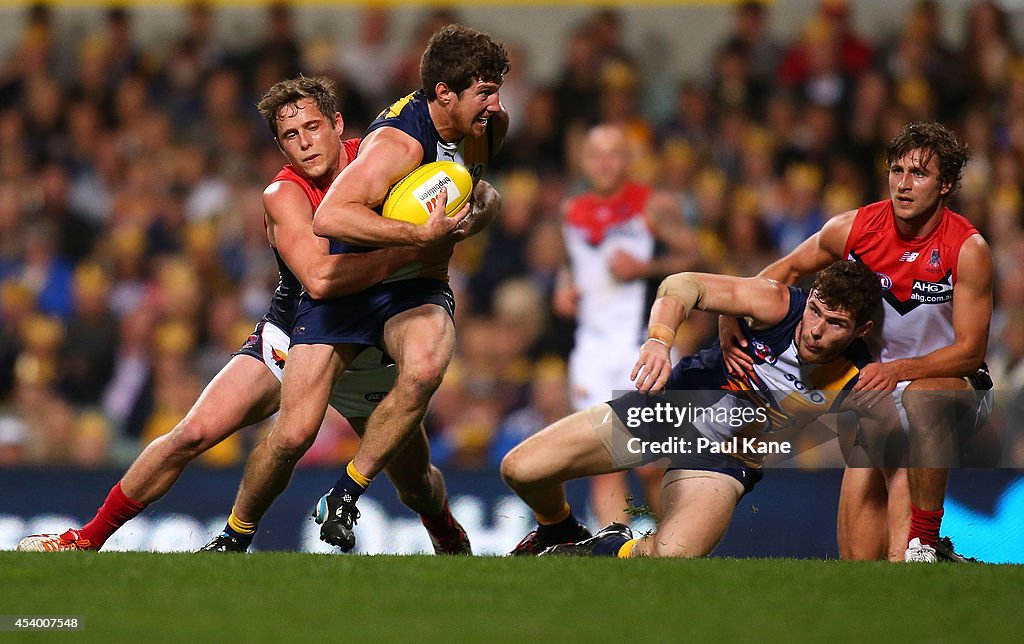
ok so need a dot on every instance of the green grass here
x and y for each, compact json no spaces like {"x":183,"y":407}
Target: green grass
{"x":286,"y":597}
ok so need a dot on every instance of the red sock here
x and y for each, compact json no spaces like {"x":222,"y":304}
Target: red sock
{"x":116,"y":510}
{"x":441,"y":523}
{"x":925,"y":524}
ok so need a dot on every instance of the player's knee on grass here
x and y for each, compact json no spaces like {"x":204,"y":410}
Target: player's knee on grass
{"x":664,"y":548}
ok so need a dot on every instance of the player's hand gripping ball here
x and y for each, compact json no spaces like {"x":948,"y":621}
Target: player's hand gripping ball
{"x":412,"y":198}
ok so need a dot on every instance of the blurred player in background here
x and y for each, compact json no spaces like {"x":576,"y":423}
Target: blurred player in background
{"x":937,"y":273}
{"x":456,"y":116}
{"x":307,"y":128}
{"x":621,"y":239}
{"x":809,"y":351}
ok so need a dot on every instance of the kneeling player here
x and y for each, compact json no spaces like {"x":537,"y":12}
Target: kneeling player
{"x":807,"y":349}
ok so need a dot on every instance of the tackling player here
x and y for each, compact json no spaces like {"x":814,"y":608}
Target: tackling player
{"x":248,"y":389}
{"x":455,"y":116}
{"x":936,"y":270}
{"x":807,"y":352}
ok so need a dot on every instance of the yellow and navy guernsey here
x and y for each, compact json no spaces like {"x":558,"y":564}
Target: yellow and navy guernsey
{"x":359,"y":318}
{"x":790,"y":392}
{"x":410,"y":115}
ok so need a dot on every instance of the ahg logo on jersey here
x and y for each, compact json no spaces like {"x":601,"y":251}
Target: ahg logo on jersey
{"x":931,"y":292}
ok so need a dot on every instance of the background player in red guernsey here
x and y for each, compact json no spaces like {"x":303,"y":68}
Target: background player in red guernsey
{"x":936,"y":270}
{"x":306,"y":126}
{"x":621,"y":239}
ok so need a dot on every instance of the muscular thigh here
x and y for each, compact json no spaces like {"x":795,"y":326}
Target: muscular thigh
{"x":697,"y":506}
{"x":938,"y":398}
{"x":247,"y":390}
{"x":423,"y":335}
{"x":308,"y":380}
{"x":570,"y":448}
{"x":244,"y":392}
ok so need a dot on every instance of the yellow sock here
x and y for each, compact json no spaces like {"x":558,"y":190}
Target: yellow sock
{"x":239,"y":526}
{"x":356,"y":476}
{"x":558,"y":517}
{"x":626,"y":549}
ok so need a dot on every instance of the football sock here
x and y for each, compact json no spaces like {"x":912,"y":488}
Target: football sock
{"x":610,"y":545}
{"x":557,"y":517}
{"x":352,"y":482}
{"x":626,"y":549}
{"x":441,"y":523}
{"x":562,"y":527}
{"x":925,"y":525}
{"x":243,"y":531}
{"x":116,"y":510}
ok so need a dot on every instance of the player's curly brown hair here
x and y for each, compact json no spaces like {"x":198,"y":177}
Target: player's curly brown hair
{"x":933,"y":139}
{"x":291,"y":91}
{"x":850,"y":286}
{"x":458,"y":56}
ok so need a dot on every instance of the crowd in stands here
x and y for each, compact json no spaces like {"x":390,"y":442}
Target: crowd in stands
{"x":133,"y":259}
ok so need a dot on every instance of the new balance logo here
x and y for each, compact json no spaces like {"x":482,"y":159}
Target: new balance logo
{"x":909,"y":256}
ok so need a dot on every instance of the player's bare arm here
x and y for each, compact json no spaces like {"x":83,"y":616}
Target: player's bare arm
{"x":815,"y":253}
{"x":385,"y":156}
{"x":289,"y":227}
{"x":762,"y":301}
{"x":972,"y":315}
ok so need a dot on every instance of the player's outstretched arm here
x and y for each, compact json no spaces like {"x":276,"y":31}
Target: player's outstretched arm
{"x":385,"y":156}
{"x":762,"y":301}
{"x":289,"y":219}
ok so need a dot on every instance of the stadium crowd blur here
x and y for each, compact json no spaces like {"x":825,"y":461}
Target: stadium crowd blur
{"x":133,"y":260}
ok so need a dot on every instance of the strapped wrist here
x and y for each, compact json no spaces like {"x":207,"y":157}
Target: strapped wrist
{"x":663,"y":333}
{"x":659,"y":341}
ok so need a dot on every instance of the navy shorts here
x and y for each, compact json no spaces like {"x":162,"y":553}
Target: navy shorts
{"x":359,"y":318}
{"x":747,"y":476}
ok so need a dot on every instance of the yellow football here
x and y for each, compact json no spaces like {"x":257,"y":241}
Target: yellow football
{"x":412,"y":198}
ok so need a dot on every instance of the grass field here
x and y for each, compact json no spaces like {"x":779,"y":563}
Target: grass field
{"x":287,"y":597}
